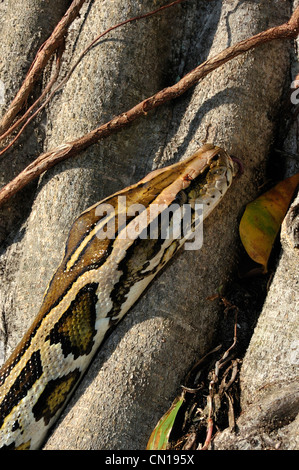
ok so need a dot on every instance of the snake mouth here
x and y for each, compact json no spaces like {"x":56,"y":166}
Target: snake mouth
{"x":212,"y":183}
{"x":223,"y":159}
{"x":233,"y":163}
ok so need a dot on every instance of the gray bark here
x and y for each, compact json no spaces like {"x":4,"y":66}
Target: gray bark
{"x":24,"y":26}
{"x":269,"y":375}
{"x":138,"y":371}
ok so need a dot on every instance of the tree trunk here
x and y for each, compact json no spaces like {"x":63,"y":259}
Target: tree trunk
{"x":139,"y":369}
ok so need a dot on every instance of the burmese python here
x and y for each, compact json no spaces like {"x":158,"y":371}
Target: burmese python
{"x":98,"y":280}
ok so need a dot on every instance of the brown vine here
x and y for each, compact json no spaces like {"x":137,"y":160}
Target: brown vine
{"x":39,"y":63}
{"x":28,"y":117}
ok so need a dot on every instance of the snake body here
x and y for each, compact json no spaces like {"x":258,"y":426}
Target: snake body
{"x":98,"y":280}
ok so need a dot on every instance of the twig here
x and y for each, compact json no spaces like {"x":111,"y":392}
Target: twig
{"x":213,"y":385}
{"x":230,"y":412}
{"x":47,"y":160}
{"x":196,"y":370}
{"x":209,"y":433}
{"x":210,"y":420}
{"x":224,"y":386}
{"x":42,"y":58}
{"x":28,"y":117}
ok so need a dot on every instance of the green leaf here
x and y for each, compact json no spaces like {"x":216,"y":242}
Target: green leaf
{"x":262,"y":219}
{"x":160,"y":436}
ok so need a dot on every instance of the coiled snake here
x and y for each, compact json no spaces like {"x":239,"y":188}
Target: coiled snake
{"x":102,"y":274}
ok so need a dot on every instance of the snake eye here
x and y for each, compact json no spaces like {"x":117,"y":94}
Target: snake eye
{"x":181,"y":198}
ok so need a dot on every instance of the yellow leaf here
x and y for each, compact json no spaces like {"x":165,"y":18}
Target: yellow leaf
{"x":160,"y":436}
{"x":262,"y":219}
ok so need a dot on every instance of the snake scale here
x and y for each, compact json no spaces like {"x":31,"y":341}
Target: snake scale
{"x":102,"y":274}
